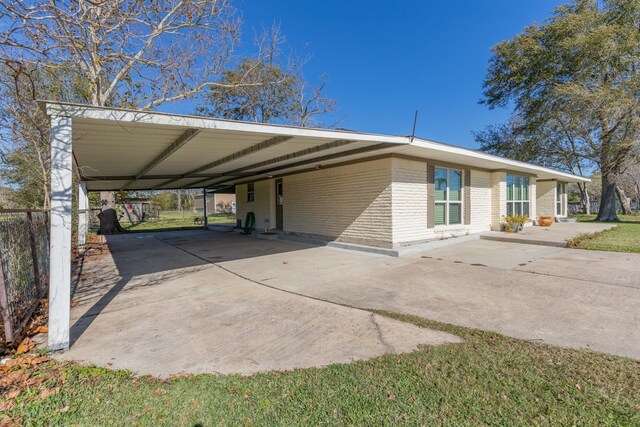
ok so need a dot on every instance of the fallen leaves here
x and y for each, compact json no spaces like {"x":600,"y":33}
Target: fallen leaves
{"x":20,"y":373}
{"x":46,"y":392}
{"x":26,"y":361}
{"x":25,"y":346}
{"x":13,"y":393}
{"x":7,"y":405}
{"x":38,"y":330}
{"x":6,"y":421}
{"x":14,"y":377}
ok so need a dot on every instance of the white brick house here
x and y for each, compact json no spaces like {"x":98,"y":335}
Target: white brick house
{"x":397,"y":200}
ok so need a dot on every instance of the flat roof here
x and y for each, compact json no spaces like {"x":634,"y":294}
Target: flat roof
{"x":123,"y":149}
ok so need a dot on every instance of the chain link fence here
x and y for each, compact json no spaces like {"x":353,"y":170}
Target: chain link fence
{"x":24,"y":267}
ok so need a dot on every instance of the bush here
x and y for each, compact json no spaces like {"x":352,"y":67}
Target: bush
{"x":514,"y":223}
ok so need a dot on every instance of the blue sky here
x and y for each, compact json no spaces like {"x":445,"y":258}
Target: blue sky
{"x":387,"y":59}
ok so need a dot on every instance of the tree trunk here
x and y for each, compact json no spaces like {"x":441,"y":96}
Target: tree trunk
{"x":624,"y":203}
{"x":587,"y":200}
{"x":584,"y":198}
{"x":179,"y":200}
{"x":607,"y":211}
{"x":107,"y":200}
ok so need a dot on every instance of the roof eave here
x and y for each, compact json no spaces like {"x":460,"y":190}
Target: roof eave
{"x":52,"y":108}
{"x":439,"y":146}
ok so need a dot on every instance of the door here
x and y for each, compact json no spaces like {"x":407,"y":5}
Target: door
{"x":279,"y":204}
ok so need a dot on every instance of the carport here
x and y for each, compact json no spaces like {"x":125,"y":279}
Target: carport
{"x":117,"y":149}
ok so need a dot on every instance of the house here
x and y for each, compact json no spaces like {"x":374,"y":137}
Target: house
{"x":381,"y":190}
{"x":217,"y":203}
{"x":405,"y":197}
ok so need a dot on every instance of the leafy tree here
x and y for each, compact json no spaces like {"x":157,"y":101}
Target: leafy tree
{"x":269,"y":101}
{"x":547,"y":146}
{"x":575,"y":84}
{"x":165,"y":200}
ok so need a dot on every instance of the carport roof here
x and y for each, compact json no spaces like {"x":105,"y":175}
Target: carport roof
{"x":120,"y":149}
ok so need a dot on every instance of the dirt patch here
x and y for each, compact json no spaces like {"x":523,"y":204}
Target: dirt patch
{"x":95,"y":247}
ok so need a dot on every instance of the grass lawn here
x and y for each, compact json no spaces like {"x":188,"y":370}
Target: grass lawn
{"x":623,"y":238}
{"x":490,"y":379}
{"x":170,"y":221}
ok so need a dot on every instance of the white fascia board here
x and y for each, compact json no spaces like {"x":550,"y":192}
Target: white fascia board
{"x":136,"y":116}
{"x":465,"y":152}
{"x":158,"y":118}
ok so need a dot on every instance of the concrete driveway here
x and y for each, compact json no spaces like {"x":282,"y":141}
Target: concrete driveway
{"x":567,"y":297}
{"x":155,"y":309}
{"x":220,"y":302}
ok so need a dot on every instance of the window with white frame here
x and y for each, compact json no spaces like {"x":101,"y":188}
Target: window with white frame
{"x":517,"y":195}
{"x":448,"y":196}
{"x":560,"y":190}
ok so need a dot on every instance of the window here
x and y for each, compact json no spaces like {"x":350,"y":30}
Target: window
{"x":279,"y":193}
{"x":448,"y":196}
{"x":560,"y":190}
{"x":517,"y":195}
{"x":251,"y":194}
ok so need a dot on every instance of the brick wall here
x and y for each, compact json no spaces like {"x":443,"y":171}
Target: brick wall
{"x":347,"y":203}
{"x":409,"y":194}
{"x":533,"y":198}
{"x":481,"y":201}
{"x":546,"y":198}
{"x":381,"y":203}
{"x":263,"y":206}
{"x":498,"y":198}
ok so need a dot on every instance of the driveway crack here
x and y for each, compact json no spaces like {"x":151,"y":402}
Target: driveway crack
{"x":388,"y":346}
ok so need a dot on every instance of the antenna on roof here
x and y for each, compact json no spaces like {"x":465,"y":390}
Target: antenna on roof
{"x":413,"y":132}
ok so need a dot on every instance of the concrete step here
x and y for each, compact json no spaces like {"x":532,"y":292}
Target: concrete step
{"x":512,"y":238}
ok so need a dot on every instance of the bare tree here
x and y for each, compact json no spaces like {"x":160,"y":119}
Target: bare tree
{"x":122,"y":53}
{"x":24,"y":129}
{"x":311,"y":102}
{"x":273,"y":90}
{"x":131,"y":53}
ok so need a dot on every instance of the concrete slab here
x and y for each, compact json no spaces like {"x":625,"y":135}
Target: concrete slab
{"x":159,"y":305}
{"x":607,"y":268}
{"x":557,"y":235}
{"x":155,"y":309}
{"x":566,"y":307}
{"x":591,"y":266}
{"x":497,"y":254}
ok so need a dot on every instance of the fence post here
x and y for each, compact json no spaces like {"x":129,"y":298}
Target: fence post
{"x":205,"y":208}
{"x":83,"y":215}
{"x":34,"y":255}
{"x":4,"y":304}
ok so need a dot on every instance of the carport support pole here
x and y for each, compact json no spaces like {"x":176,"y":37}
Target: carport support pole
{"x":60,"y":235}
{"x":204,"y":205}
{"x":83,"y":214}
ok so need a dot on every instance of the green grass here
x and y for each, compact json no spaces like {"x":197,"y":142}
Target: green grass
{"x":625,"y":237}
{"x":489,"y":379}
{"x":171,"y":221}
